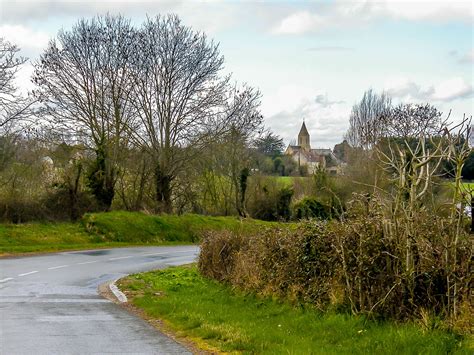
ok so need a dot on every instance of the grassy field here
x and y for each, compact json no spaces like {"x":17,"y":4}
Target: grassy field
{"x":289,"y":180}
{"x":468,"y":186}
{"x":115,"y":229}
{"x":215,"y":316}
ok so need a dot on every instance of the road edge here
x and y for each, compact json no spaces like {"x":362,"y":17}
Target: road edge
{"x":106,"y":291}
{"x":119,"y":295}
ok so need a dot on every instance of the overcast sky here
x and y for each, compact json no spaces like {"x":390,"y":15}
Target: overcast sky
{"x":311,"y":60}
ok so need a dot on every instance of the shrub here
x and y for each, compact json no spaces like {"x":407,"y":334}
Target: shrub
{"x":309,"y":207}
{"x":62,"y":203}
{"x":357,"y":264}
{"x":283,"y":203}
{"x":21,"y":210}
{"x":269,"y":201}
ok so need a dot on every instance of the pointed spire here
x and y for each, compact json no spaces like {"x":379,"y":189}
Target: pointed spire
{"x":303,"y":138}
{"x":303,"y":130}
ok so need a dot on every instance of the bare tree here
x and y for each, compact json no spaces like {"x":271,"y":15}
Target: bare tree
{"x":13,"y":106}
{"x":412,"y":168}
{"x":245,"y":124}
{"x":459,"y":150}
{"x":178,"y":93}
{"x":367,"y":121}
{"x":413,"y":120}
{"x":84,"y":81}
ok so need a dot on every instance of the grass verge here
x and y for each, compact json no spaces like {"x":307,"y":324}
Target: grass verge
{"x":114,"y":229}
{"x":215,"y":316}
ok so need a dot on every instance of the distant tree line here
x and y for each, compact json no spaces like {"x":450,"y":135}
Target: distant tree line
{"x":130,"y":117}
{"x":144,"y":118}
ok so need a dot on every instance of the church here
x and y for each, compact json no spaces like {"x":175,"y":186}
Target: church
{"x":313,"y":159}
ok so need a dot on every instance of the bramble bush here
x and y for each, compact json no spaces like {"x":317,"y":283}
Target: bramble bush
{"x":310,"y":207}
{"x":355,"y":264}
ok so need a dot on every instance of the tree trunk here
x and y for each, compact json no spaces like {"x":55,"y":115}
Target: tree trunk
{"x":163,"y":190}
{"x":73,"y":190}
{"x":101,"y":179}
{"x":472,"y":214}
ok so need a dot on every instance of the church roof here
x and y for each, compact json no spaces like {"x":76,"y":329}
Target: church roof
{"x":322,"y":151}
{"x":303,"y":130}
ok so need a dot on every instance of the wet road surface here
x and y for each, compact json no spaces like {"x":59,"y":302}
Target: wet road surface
{"x":49,"y":304}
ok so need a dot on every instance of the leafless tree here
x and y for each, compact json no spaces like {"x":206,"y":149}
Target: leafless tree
{"x":14,"y":107}
{"x":245,"y":124}
{"x":413,"y":168}
{"x":367,"y":120}
{"x":459,"y":150}
{"x":84,"y":82}
{"x":413,"y":120}
{"x":179,"y":94}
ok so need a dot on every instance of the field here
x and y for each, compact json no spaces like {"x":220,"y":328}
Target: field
{"x":289,"y":180}
{"x":468,"y":186}
{"x":218,"y":318}
{"x":115,"y":229}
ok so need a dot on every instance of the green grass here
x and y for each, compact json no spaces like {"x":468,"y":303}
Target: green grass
{"x":115,"y":229}
{"x":217,"y":317}
{"x":288,"y":181}
{"x":120,"y":226}
{"x":468,"y":186}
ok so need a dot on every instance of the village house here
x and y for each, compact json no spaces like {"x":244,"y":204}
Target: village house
{"x":313,"y":159}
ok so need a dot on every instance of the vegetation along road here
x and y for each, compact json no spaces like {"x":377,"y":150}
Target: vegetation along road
{"x":49,"y":304}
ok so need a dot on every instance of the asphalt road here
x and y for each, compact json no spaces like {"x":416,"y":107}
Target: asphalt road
{"x":49,"y":304}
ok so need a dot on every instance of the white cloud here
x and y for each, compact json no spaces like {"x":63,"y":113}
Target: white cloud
{"x":23,"y":78}
{"x":344,"y":14}
{"x":24,"y":37}
{"x":445,"y":91}
{"x":468,"y":57}
{"x":299,"y":22}
{"x":326,"y":120}
{"x":451,"y":89}
{"x":426,"y":10}
{"x":209,"y":16}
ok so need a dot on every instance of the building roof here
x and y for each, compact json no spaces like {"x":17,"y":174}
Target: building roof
{"x":322,"y":151}
{"x":310,"y":156}
{"x":303,"y":130}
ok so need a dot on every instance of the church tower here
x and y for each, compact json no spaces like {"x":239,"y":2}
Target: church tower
{"x":303,"y":138}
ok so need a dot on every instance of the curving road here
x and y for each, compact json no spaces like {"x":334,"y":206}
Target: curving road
{"x":49,"y":304}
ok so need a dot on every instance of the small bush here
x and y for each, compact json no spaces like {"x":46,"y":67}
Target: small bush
{"x":310,"y":208}
{"x":268,"y":200}
{"x":62,"y":204}
{"x":21,"y":210}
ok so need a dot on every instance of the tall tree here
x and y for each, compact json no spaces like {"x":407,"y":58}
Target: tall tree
{"x":245,"y":122}
{"x":84,"y":81}
{"x":413,"y":120}
{"x":225,"y":165}
{"x":178,"y":94}
{"x":13,"y":106}
{"x":367,"y":121}
{"x":270,"y":144}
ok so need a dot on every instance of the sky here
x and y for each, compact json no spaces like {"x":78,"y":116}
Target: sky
{"x":311,"y":60}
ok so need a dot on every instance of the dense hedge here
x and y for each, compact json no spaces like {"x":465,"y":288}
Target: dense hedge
{"x":310,"y":207}
{"x":357,"y":264}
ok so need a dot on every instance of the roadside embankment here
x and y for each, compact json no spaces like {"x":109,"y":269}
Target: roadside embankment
{"x":219,"y":318}
{"x":115,"y":229}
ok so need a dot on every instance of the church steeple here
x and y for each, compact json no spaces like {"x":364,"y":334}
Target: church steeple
{"x":303,"y":138}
